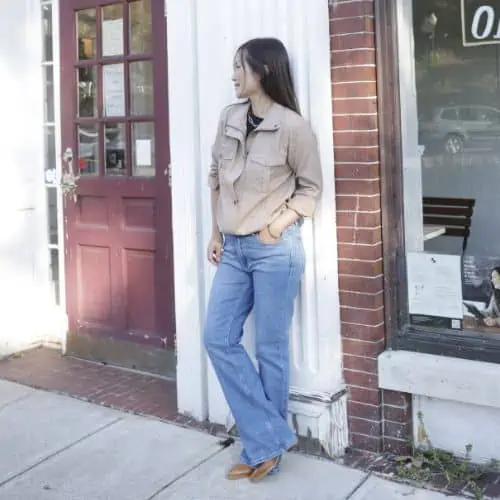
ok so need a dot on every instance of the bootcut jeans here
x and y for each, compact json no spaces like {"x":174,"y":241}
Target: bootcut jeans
{"x":265,"y":278}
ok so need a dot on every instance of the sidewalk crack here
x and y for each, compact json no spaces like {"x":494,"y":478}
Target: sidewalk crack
{"x":14,"y":401}
{"x":58,"y":452}
{"x":358,"y":487}
{"x":223,"y":445}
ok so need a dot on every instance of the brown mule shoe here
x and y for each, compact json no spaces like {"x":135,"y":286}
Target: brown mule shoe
{"x":239,"y":471}
{"x":264,"y":469}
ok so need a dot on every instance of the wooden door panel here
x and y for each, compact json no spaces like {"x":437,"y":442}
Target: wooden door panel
{"x":115,"y":119}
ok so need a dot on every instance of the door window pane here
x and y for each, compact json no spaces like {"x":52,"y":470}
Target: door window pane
{"x":52,"y":211}
{"x":143,"y":150}
{"x":140,"y":27}
{"x":87,"y":92}
{"x":86,"y":33}
{"x":88,"y":150}
{"x":47,"y":32}
{"x":114,"y":89}
{"x":141,"y":88}
{"x":54,"y":274}
{"x":48,"y":84}
{"x":50,"y":155}
{"x":112,"y":30}
{"x":115,"y":149}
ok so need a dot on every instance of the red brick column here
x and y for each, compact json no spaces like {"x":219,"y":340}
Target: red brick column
{"x":358,"y":201}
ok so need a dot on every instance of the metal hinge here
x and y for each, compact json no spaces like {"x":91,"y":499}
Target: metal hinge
{"x":168,"y":172}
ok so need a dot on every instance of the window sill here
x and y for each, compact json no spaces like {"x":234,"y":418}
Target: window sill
{"x":441,"y":377}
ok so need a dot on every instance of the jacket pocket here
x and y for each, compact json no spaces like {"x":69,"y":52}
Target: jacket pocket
{"x":263,"y":172}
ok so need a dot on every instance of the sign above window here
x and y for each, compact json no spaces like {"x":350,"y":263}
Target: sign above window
{"x":480,"y":22}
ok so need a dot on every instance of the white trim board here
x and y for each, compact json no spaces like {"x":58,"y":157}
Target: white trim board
{"x":441,"y":377}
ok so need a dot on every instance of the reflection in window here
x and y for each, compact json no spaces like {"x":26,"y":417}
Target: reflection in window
{"x":140,"y":27}
{"x":87,"y":92}
{"x":88,"y":150}
{"x":458,"y":100}
{"x":115,"y":149}
{"x":86,"y":34}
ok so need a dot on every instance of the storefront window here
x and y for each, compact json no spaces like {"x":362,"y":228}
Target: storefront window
{"x":453,"y":260}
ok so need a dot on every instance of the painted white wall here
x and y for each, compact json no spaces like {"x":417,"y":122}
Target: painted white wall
{"x":24,"y":279}
{"x":202,"y":39}
{"x":453,"y":426}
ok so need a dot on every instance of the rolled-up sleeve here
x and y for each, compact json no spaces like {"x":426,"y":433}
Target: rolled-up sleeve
{"x":213,"y":175}
{"x":303,"y":158}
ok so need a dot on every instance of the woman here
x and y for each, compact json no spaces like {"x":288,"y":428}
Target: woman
{"x":265,"y":177}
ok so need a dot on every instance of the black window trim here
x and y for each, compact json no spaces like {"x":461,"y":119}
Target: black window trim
{"x":400,"y":334}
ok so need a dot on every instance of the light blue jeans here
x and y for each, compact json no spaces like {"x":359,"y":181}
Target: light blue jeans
{"x":265,"y":278}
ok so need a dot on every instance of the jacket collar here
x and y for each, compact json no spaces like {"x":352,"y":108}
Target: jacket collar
{"x":272,"y":121}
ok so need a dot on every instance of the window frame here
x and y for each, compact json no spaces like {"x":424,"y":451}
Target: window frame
{"x":401,"y":335}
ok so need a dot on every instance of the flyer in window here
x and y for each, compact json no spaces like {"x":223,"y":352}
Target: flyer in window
{"x":435,"y":289}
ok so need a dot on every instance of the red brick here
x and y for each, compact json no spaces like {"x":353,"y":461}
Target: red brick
{"x":361,"y":410}
{"x":358,"y":203}
{"x":362,"y":348}
{"x":363,"y":442}
{"x":396,"y":446}
{"x":360,"y":267}
{"x":369,"y":365}
{"x":354,"y":316}
{"x":363,"y":236}
{"x":343,"y":106}
{"x":355,"y":122}
{"x":352,"y":41}
{"x":353,"y":57}
{"x":357,"y":155}
{"x":363,"y":252}
{"x":361,"y":379}
{"x":367,"y":427}
{"x":351,"y":90}
{"x":366,"y":333}
{"x":398,"y":399}
{"x":359,"y":219}
{"x":396,"y":430}
{"x":340,"y":9}
{"x":358,"y":138}
{"x":362,"y":300}
{"x":397,"y":414}
{"x":361,"y":284}
{"x":354,"y":74}
{"x":353,"y":25}
{"x":352,"y":186}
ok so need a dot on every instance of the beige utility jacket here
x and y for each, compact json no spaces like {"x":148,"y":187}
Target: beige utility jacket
{"x":275,"y":167}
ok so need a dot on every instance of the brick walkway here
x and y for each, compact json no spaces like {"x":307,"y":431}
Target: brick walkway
{"x":125,"y":390}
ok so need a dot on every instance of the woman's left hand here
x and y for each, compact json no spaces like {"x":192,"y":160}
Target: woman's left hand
{"x":266,"y":237}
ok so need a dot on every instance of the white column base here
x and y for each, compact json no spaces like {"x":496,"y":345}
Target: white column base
{"x":321,"y":416}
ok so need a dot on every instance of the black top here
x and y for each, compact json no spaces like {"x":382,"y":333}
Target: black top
{"x":253,"y":121}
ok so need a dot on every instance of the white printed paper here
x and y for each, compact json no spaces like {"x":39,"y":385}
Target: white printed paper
{"x":114,"y":89}
{"x":143,"y":153}
{"x":435,"y":284}
{"x":112,"y":38}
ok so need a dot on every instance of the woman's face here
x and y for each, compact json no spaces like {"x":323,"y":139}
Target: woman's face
{"x":246,"y":82}
{"x":495,"y":279}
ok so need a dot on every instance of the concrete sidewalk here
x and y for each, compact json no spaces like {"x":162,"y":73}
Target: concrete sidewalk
{"x":57,"y":448}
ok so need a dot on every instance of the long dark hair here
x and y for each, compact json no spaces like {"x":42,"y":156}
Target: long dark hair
{"x":268,"y":58}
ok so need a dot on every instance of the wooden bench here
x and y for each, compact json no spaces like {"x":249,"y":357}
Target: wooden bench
{"x":454,"y":214}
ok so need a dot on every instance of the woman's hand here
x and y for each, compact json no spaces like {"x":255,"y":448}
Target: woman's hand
{"x":266,"y":237}
{"x":214,"y":250}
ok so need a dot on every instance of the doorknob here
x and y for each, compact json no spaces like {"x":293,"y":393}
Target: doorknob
{"x":69,"y":179}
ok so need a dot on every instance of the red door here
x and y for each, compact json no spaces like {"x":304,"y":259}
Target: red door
{"x":119,"y":270}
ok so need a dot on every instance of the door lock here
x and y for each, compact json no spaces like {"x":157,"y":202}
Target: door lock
{"x":69,"y":179}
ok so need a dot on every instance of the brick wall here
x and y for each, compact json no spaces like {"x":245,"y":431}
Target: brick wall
{"x":378,"y":420}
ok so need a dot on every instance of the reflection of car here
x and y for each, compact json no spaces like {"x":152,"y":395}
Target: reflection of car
{"x":88,"y":152}
{"x":455,"y":128}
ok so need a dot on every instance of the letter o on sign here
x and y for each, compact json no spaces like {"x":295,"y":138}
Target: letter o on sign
{"x":490,"y":20}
